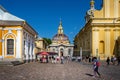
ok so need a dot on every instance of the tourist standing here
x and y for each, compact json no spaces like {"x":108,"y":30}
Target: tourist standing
{"x":90,"y":59}
{"x":108,"y":60}
{"x":118,"y":60}
{"x":62,"y":58}
{"x":114,"y":60}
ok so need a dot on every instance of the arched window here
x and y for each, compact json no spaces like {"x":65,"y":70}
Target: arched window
{"x":61,"y":52}
{"x":10,"y":46}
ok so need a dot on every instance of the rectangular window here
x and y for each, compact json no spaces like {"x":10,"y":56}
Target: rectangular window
{"x":10,"y":46}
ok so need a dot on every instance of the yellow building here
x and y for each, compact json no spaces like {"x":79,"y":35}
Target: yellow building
{"x":101,"y":34}
{"x":41,"y":45}
{"x":16,"y":38}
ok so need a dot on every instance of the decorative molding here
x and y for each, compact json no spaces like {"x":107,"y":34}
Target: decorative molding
{"x":1,"y":28}
{"x":104,"y":18}
{"x":116,"y":29}
{"x":12,"y":28}
{"x":19,"y":29}
{"x":107,"y":29}
{"x":9,"y":31}
{"x":95,"y":30}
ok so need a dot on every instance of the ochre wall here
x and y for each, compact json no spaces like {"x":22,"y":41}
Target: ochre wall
{"x":3,"y":34}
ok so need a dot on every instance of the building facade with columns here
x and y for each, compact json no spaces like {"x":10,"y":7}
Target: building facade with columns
{"x":61,"y":44}
{"x":101,"y":34}
{"x":16,"y":38}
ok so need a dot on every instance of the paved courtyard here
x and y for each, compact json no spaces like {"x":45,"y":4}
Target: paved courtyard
{"x":49,"y":71}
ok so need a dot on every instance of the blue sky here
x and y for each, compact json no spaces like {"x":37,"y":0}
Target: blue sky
{"x":44,"y":15}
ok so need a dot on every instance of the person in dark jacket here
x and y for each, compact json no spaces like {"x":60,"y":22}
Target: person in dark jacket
{"x":118,"y":59}
{"x":108,"y":61}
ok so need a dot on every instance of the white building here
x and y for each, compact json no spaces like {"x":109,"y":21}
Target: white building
{"x":60,"y":43}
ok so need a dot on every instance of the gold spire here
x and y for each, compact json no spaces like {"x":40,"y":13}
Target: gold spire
{"x":92,"y":3}
{"x":60,"y":28}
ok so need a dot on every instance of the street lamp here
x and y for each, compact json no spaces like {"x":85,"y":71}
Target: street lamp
{"x":97,"y":53}
{"x":81,"y":53}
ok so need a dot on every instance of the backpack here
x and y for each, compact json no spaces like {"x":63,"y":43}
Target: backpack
{"x":98,"y":64}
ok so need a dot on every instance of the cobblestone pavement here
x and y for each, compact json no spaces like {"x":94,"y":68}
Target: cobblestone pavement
{"x":49,"y":71}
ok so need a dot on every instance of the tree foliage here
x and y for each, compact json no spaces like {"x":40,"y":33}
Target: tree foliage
{"x":48,"y":40}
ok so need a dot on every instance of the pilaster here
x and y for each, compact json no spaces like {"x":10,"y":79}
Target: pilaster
{"x":95,"y":41}
{"x":107,"y":8}
{"x":18,"y":44}
{"x":116,"y":8}
{"x":107,"y":42}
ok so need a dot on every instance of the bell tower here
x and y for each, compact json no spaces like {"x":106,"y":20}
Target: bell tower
{"x":60,"y":28}
{"x":92,"y":5}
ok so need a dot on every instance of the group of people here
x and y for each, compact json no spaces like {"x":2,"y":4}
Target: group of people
{"x":57,"y":59}
{"x":88,"y":58}
{"x":113,"y":60}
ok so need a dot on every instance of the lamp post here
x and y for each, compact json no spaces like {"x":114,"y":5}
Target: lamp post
{"x":81,"y":53}
{"x":97,"y":53}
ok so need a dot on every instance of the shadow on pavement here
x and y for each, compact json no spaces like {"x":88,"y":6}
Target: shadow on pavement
{"x":89,"y":74}
{"x":15,"y":63}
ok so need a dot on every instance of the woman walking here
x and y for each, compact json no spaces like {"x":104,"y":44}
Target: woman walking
{"x":96,"y":65}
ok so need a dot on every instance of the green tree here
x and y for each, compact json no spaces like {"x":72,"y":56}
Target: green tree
{"x":48,"y":40}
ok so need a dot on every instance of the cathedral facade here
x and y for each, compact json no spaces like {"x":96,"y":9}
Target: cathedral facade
{"x":100,"y":36}
{"x":61,"y":44}
{"x":16,"y":38}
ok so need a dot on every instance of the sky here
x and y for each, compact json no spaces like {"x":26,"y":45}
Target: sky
{"x":44,"y":15}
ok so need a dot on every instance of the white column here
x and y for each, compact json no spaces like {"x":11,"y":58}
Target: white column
{"x":71,"y":53}
{"x":59,"y":51}
{"x":30,"y":51}
{"x":33,"y":51}
{"x":81,"y":52}
{"x":18,"y":44}
{"x":26,"y":49}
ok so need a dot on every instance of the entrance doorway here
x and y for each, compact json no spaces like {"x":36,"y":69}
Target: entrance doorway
{"x":61,"y":52}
